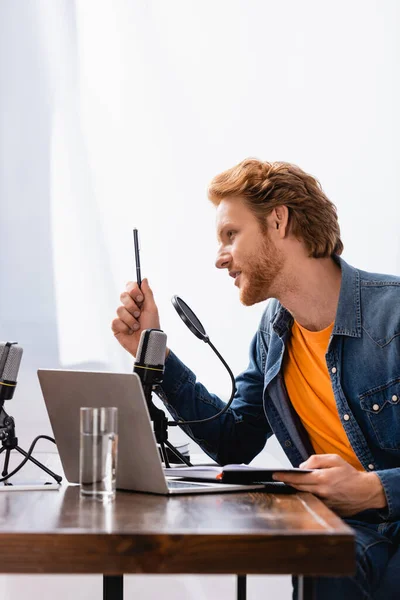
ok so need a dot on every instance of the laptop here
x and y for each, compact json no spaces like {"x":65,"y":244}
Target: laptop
{"x":139,"y":466}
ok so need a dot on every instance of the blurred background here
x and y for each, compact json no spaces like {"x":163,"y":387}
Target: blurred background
{"x":116,"y":114}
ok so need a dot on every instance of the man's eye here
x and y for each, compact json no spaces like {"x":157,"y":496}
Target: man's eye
{"x":230,"y":234}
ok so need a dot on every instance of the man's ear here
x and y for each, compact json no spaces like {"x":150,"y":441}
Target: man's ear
{"x":279,"y":220}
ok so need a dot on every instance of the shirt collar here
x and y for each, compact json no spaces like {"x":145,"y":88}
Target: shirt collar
{"x":348,"y":314}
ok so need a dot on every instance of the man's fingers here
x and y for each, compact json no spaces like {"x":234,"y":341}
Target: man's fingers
{"x":148,"y":292}
{"x":296,"y":482}
{"x":309,"y":482}
{"x":310,"y":479}
{"x":322,"y":461}
{"x":127,"y":319}
{"x":118,"y":326}
{"x":134,"y":291}
{"x":302,"y":488}
{"x":138,"y":295}
{"x":130,"y":304}
{"x":145,"y":287}
{"x":319,"y":491}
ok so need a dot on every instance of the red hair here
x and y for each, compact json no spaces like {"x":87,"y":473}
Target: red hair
{"x":264,"y":186}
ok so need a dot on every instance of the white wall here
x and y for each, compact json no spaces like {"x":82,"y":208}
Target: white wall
{"x":115,"y":114}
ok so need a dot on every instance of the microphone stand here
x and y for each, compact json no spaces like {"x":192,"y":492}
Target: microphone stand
{"x":10,"y":442}
{"x":160,"y":426}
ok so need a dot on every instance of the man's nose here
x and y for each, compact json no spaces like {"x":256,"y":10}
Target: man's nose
{"x":222,"y":260}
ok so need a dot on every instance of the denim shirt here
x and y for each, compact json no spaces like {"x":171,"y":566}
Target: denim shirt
{"x":363,"y":361}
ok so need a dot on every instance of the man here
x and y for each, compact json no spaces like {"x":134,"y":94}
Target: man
{"x":324,"y":371}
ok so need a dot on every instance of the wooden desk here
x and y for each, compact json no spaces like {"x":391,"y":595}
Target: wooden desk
{"x":230,"y":533}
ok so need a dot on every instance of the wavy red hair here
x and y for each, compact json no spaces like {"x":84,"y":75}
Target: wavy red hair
{"x":264,"y":186}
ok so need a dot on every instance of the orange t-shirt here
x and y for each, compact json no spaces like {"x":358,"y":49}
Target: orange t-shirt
{"x":310,"y":391}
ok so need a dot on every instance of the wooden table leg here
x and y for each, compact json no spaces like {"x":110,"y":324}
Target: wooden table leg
{"x":113,"y":587}
{"x":241,"y":587}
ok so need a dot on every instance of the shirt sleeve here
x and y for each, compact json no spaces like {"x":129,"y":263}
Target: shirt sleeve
{"x":390,"y":479}
{"x":239,"y":434}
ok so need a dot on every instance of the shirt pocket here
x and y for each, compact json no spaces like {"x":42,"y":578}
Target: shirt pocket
{"x":382,"y":407}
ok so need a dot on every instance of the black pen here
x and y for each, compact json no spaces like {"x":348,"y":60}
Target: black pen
{"x":137,"y":256}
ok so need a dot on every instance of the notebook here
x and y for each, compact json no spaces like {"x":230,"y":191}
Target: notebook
{"x":230,"y":473}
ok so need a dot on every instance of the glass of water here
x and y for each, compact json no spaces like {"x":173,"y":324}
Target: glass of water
{"x":98,"y":452}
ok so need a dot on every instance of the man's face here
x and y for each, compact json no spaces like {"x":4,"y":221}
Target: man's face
{"x":249,"y":254}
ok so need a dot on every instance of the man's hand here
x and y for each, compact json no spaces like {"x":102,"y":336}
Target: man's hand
{"x":138,"y":312}
{"x":344,"y":489}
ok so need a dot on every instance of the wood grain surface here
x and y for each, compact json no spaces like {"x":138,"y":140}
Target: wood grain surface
{"x":246,"y":532}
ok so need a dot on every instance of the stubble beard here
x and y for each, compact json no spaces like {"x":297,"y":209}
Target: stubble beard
{"x":262,"y":273}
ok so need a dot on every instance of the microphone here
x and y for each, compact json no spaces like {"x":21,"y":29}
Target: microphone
{"x":10,"y":360}
{"x":149,"y":366}
{"x":150,"y":359}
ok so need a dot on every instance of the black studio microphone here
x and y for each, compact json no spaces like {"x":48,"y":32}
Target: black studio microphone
{"x":149,"y":366}
{"x":10,"y":360}
{"x":150,"y":359}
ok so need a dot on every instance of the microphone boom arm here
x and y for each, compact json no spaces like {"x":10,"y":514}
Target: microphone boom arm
{"x":181,"y":422}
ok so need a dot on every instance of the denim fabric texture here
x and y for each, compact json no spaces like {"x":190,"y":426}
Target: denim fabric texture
{"x":363,"y":360}
{"x":378,"y":566}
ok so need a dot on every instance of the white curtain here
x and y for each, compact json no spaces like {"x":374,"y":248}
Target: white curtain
{"x":116,"y":114}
